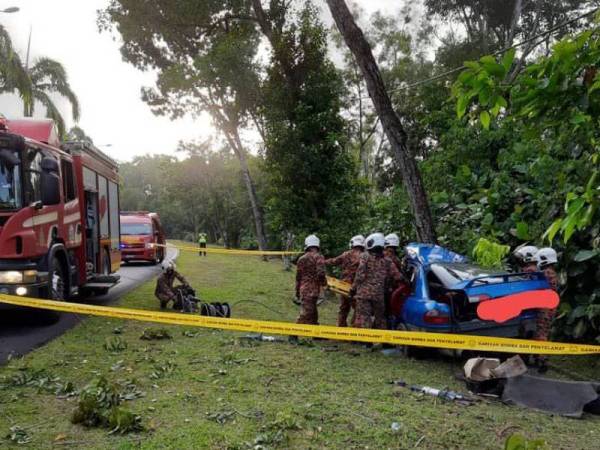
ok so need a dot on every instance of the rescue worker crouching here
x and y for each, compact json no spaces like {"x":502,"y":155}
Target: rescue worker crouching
{"x":165,"y":290}
{"x":374,"y":272}
{"x":349,"y":262}
{"x":310,"y":279}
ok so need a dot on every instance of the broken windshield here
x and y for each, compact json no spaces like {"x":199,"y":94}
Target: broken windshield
{"x":10,"y":180}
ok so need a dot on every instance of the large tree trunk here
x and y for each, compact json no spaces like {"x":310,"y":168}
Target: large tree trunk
{"x":390,"y":121}
{"x":259,"y":220}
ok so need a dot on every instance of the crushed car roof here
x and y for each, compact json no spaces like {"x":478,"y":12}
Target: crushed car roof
{"x":429,"y":254}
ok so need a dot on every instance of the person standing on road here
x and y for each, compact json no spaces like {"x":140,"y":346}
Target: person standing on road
{"x":546,"y":259}
{"x":525,"y":256}
{"x":165,"y":290}
{"x":349,"y":262}
{"x":374,"y":272}
{"x":202,"y":243}
{"x":310,"y":278}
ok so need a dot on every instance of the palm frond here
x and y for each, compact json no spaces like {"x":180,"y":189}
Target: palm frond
{"x":52,"y":111}
{"x":13,"y":76}
{"x":50,"y":76}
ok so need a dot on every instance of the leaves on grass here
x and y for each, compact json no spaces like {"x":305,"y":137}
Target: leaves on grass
{"x":98,"y":406}
{"x":161,"y":370}
{"x":115,"y":344}
{"x":155,"y":334}
{"x":18,"y":435}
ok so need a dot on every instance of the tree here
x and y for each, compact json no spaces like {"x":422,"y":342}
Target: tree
{"x":204,"y":54}
{"x":46,"y":77}
{"x":50,"y":77}
{"x":312,"y":176}
{"x":13,"y":76}
{"x":390,"y":121}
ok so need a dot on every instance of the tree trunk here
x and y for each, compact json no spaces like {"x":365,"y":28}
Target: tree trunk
{"x":259,"y":222}
{"x":390,"y":121}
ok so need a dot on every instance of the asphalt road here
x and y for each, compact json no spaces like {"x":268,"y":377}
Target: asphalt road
{"x":23,"y":330}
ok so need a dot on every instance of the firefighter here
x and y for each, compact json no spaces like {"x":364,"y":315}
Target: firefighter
{"x":368,"y":289}
{"x":392,"y":243}
{"x":348,"y":261}
{"x":165,"y":290}
{"x":396,"y":293}
{"x":525,"y":256}
{"x":546,"y":259}
{"x":310,"y":279}
{"x":202,"y":243}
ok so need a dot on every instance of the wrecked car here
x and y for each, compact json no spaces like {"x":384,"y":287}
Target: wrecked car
{"x":447,"y":293}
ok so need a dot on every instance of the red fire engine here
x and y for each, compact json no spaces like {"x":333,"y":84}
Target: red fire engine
{"x":140,"y":231}
{"x":59,"y":213}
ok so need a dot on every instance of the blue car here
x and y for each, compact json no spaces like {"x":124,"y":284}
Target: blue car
{"x":446,"y":290}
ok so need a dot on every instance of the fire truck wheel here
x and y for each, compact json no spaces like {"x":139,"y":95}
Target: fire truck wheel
{"x":58,"y":287}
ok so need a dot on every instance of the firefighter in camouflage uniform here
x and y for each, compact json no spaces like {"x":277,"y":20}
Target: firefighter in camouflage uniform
{"x":310,"y":279}
{"x":165,"y":290}
{"x":546,"y":259}
{"x":374,"y":273}
{"x":348,"y":261}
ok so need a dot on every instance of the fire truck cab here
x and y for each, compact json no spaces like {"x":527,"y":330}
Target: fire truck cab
{"x":59,"y":214}
{"x":142,"y":237}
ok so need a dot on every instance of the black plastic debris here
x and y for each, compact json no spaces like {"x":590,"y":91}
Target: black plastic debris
{"x":566,"y":398}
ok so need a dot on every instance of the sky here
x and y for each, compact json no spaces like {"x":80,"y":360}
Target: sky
{"x":108,"y":88}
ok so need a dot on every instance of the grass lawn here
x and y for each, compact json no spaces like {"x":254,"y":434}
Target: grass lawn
{"x":211,"y":389}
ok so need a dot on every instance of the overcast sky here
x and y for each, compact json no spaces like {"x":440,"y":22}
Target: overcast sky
{"x":112,"y":112}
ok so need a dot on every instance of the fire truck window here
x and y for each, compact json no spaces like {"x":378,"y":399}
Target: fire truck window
{"x":33,"y":175}
{"x":113,"y":200}
{"x":68,"y":181}
{"x":10,"y":180}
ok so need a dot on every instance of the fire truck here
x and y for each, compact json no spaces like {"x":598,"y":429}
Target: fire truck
{"x":59,"y":214}
{"x":140,"y":231}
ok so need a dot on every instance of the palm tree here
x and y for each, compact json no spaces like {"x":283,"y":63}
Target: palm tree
{"x":13,"y":75}
{"x":48,"y":77}
{"x":37,"y":83}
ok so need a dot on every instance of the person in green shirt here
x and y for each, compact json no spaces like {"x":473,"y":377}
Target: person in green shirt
{"x":202,"y":243}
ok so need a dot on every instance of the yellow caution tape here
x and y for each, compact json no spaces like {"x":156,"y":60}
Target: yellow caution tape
{"x":420,"y":339}
{"x":224,"y":251}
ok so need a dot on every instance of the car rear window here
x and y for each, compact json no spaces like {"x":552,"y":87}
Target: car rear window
{"x":452,"y":273}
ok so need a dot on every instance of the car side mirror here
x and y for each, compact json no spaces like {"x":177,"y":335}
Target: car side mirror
{"x":50,"y":181}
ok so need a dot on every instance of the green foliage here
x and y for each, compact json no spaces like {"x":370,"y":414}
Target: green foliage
{"x":490,"y":254}
{"x":115,"y":344}
{"x":552,"y":159}
{"x":311,"y":175}
{"x":518,"y":442}
{"x":155,"y":334}
{"x":99,"y":406}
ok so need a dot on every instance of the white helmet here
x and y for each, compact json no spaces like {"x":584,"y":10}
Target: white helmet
{"x":357,"y":241}
{"x":375,"y":240}
{"x":311,"y":241}
{"x":526,"y":253}
{"x":168,"y":265}
{"x":545,"y":257}
{"x":392,"y":240}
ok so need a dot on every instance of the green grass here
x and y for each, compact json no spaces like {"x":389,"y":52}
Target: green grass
{"x":225,"y":393}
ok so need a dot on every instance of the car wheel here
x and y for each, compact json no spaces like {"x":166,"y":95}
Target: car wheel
{"x":410,"y":351}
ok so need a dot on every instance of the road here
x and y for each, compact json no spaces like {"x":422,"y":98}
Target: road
{"x":23,"y":330}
